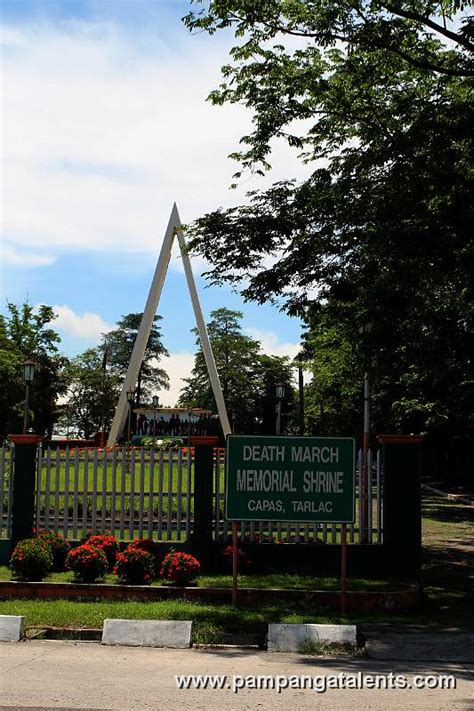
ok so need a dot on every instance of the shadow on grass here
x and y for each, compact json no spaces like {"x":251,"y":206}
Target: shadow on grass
{"x":444,"y":510}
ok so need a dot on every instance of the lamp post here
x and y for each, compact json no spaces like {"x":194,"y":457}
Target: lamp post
{"x":155,"y":400}
{"x":28,"y":375}
{"x":301,"y":393}
{"x":130,"y":398}
{"x":280,"y":394}
{"x":364,"y":481}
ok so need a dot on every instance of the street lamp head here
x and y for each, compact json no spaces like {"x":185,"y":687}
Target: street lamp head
{"x":28,"y":371}
{"x":155,"y":399}
{"x":280,"y":391}
{"x":130,"y":394}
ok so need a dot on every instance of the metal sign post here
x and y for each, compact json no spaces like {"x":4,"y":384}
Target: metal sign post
{"x":343,"y":568}
{"x":234,"y":564}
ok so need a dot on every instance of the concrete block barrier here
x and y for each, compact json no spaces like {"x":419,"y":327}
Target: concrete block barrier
{"x":294,"y":638}
{"x":147,"y":633}
{"x":12,"y":628}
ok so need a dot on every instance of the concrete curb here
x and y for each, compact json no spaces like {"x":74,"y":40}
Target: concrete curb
{"x":295,"y":637}
{"x":175,"y":634}
{"x":12,"y":628}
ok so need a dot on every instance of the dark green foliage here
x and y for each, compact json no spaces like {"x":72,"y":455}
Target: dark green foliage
{"x":92,"y":394}
{"x":96,"y":376}
{"x":120,"y":344}
{"x":25,"y":334}
{"x":248,"y":377}
{"x":58,"y":546}
{"x":32,"y":560}
{"x":379,"y":104}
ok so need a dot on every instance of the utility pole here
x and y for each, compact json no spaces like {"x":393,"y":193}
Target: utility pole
{"x":301,"y":393}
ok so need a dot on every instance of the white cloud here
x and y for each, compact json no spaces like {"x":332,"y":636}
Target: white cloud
{"x":86,"y":325}
{"x":271,"y":344}
{"x":178,"y":366}
{"x":26,"y":260}
{"x":99,"y":139}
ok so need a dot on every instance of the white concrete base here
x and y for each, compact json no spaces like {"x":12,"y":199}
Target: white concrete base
{"x":293,"y":638}
{"x":147,"y":633}
{"x":12,"y":628}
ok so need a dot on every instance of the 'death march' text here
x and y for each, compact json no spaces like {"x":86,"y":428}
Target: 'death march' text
{"x":270,"y":478}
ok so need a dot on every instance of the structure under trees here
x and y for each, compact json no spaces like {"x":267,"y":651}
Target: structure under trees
{"x":377,"y":99}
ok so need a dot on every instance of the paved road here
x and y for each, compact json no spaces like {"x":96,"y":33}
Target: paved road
{"x":68,"y":675}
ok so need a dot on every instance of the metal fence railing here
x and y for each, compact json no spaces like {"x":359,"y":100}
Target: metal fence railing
{"x":141,"y":493}
{"x":258,"y":531}
{"x":6,"y":482}
{"x":131,"y":493}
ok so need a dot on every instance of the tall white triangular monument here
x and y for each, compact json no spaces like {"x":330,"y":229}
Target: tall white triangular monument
{"x":173,"y":230}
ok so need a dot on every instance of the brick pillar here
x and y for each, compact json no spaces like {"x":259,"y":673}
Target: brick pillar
{"x":24,"y":482}
{"x":402,"y":505}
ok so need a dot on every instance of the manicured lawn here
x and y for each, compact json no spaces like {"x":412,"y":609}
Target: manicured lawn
{"x":210,"y":621}
{"x":447,"y":576}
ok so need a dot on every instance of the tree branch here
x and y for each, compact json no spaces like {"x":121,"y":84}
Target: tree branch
{"x":411,"y":15}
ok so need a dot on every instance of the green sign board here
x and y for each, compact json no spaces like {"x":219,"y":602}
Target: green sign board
{"x":304,"y":479}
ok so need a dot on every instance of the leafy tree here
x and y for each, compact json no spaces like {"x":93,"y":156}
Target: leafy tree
{"x":25,"y":333}
{"x":246,"y":376}
{"x":270,"y":371}
{"x":92,"y":394}
{"x":96,"y":376}
{"x":333,"y":396}
{"x":120,"y":344}
{"x":378,"y":101}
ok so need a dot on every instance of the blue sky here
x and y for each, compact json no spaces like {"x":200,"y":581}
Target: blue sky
{"x":105,"y":125}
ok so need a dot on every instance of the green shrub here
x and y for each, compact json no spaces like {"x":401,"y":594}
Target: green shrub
{"x":32,"y":560}
{"x":87,"y":563}
{"x":108,"y":544}
{"x":134,"y":567}
{"x":180,"y":568}
{"x":152,"y":547}
{"x":58,"y":545}
{"x":162,"y":443}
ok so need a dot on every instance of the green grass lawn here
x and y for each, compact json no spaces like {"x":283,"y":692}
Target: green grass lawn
{"x":447,"y":576}
{"x":210,"y":621}
{"x":283,"y":581}
{"x":448,"y":560}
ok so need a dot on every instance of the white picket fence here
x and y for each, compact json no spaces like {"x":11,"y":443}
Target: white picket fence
{"x":6,"y":480}
{"x":140,"y":493}
{"x":317,"y":532}
{"x":127,"y":492}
